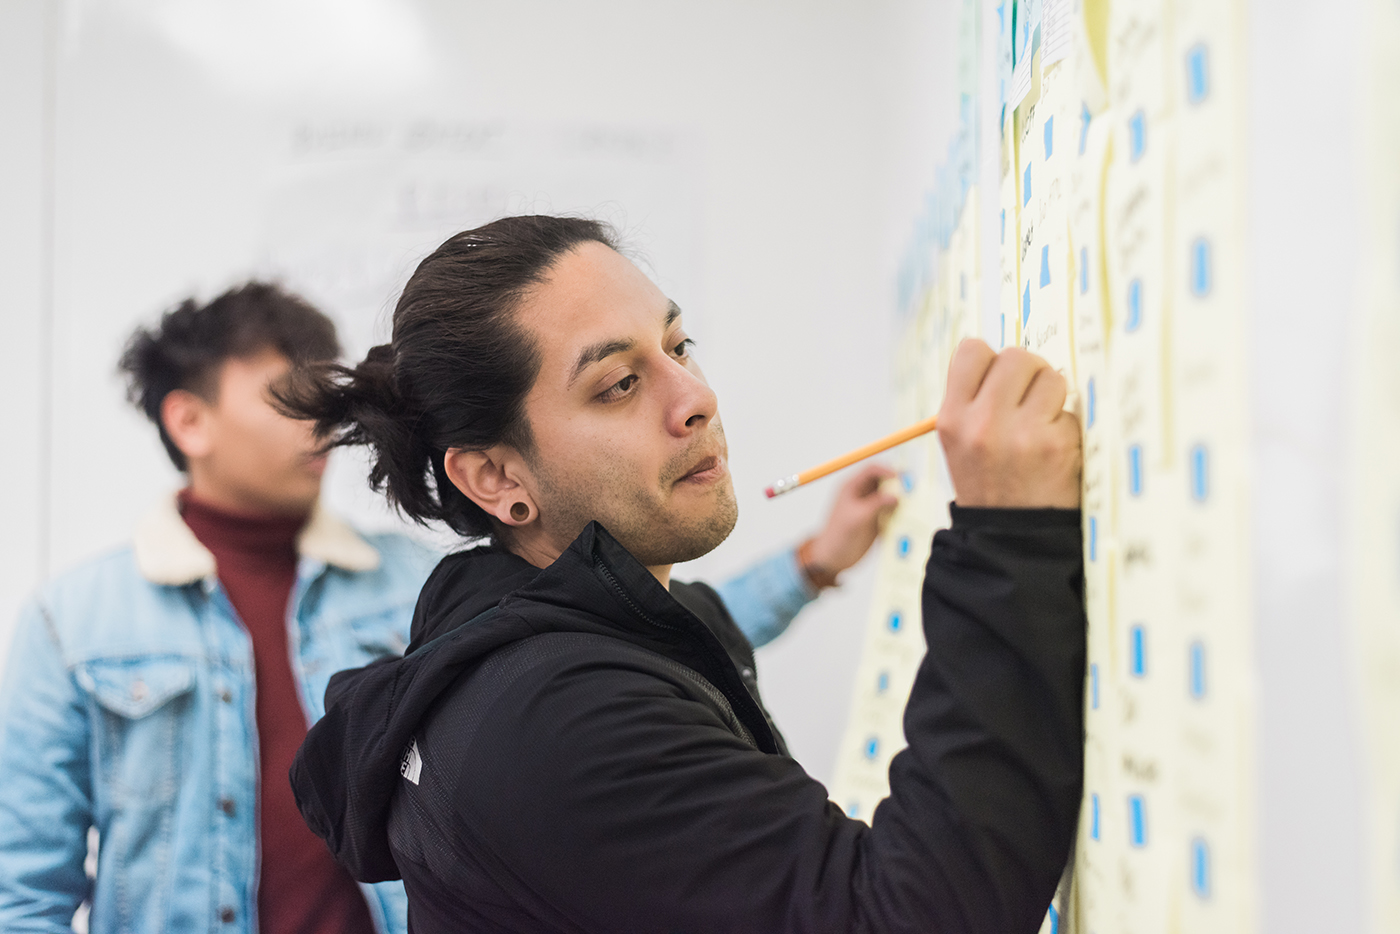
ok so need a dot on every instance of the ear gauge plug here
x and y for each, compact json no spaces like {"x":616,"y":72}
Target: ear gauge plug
{"x":519,"y":512}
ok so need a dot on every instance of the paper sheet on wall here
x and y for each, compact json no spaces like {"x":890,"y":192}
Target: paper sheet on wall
{"x":1025,"y":44}
{"x":1058,"y":32}
{"x":1009,"y":259}
{"x":894,"y":643}
{"x":1046,"y":328}
{"x":1212,"y":598}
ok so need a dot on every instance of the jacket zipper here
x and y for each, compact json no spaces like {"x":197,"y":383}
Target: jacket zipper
{"x":627,"y":598}
{"x":645,"y":617}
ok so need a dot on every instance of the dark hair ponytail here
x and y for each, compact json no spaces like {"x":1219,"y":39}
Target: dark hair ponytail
{"x":456,"y":371}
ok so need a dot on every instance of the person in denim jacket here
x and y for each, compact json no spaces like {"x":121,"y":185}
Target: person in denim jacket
{"x":157,"y":693}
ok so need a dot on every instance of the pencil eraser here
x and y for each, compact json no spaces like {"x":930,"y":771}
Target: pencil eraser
{"x":769,"y":492}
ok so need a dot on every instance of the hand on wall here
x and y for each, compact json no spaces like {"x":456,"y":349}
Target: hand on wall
{"x":857,"y":516}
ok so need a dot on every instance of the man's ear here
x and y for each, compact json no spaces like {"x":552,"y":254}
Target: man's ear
{"x":186,"y":419}
{"x":489,"y":479}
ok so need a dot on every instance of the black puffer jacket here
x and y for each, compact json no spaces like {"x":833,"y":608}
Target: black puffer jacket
{"x":578,"y":750}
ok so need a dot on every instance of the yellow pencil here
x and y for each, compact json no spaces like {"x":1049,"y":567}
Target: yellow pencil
{"x":787,"y":484}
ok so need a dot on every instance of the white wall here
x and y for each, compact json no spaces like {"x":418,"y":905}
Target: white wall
{"x":1305,"y":58}
{"x":765,"y":157}
{"x":768,"y":158}
{"x":24,"y":301}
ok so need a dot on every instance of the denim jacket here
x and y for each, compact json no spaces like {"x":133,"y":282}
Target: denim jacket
{"x":128,"y":706}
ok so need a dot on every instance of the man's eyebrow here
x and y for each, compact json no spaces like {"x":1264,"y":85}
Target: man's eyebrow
{"x":604,"y":349}
{"x":599,"y":351}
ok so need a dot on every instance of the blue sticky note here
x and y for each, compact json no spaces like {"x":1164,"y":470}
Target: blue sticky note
{"x":1003,"y":225}
{"x":1092,"y":403}
{"x":1197,"y":669}
{"x":1093,"y":538}
{"x":906,"y":480}
{"x":1137,"y":650}
{"x":882,"y":682}
{"x":1200,"y":473}
{"x":872,"y":747}
{"x":852,"y":809}
{"x":1200,"y":267}
{"x":1094,"y":686}
{"x":1083,"y":270}
{"x":1084,"y":118}
{"x":1049,"y":136}
{"x":1054,"y":921}
{"x":1197,"y":73}
{"x":1094,"y":832}
{"x":1200,"y":868}
{"x":1137,"y":821}
{"x":1137,"y":136}
{"x":902,"y":546}
{"x":1045,"y":266}
{"x":896,"y":622}
{"x":1026,"y":188}
{"x":1135,"y":469}
{"x":1134,"y":306}
{"x":1026,"y":306}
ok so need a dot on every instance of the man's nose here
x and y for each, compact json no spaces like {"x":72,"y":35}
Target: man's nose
{"x":693,"y":403}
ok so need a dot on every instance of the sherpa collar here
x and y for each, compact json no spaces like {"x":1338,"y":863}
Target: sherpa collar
{"x":168,"y":553}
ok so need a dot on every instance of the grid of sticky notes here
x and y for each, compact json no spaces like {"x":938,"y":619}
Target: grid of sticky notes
{"x":1120,"y":232}
{"x":894,"y":646}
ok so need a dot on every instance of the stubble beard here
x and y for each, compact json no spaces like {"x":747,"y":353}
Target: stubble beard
{"x":669,"y":542}
{"x":653,"y":534}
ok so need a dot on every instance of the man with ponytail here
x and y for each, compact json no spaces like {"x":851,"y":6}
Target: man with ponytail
{"x":159,"y":693}
{"x":575,"y":742}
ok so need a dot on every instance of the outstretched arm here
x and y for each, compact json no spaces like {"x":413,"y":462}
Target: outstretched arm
{"x":764,"y":599}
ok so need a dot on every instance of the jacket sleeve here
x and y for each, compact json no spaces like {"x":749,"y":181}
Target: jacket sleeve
{"x":635,"y":808}
{"x":45,"y":796}
{"x":994,"y":723}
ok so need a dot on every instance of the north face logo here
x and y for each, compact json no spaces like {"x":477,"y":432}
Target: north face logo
{"x":411,"y":763}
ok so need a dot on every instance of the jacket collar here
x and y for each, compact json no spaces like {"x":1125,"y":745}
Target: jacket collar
{"x":346,"y":772}
{"x":168,"y":553}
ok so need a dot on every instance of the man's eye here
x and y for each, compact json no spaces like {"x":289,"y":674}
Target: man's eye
{"x":682,"y":350}
{"x":618,"y":389}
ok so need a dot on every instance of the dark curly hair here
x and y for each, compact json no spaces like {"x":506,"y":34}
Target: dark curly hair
{"x":455,"y":372}
{"x":186,"y":349}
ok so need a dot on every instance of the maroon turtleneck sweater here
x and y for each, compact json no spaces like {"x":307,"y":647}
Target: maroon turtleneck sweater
{"x":301,"y":889}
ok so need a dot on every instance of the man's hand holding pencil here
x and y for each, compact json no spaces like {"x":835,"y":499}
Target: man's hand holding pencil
{"x":1008,"y":440}
{"x":1003,"y":427}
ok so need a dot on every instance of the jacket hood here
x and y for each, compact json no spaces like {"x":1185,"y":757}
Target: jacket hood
{"x":348,"y":768}
{"x":462,"y":587}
